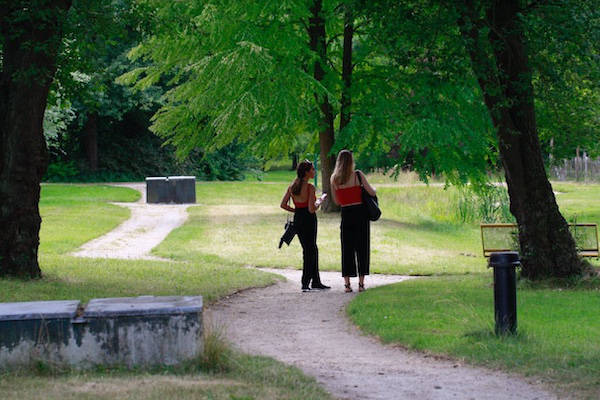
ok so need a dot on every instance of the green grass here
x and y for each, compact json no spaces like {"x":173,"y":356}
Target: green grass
{"x":248,"y":378}
{"x":557,"y":337}
{"x":454,"y":315}
{"x":74,"y":214}
{"x":72,"y":278}
{"x":241,"y":222}
{"x":420,"y":232}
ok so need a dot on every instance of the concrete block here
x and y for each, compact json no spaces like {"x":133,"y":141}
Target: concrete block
{"x":158,"y":190}
{"x":183,"y":189}
{"x":134,"y":331}
{"x":172,"y":189}
{"x":39,"y":330}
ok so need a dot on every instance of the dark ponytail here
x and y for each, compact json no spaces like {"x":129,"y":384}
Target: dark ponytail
{"x":301,"y":171}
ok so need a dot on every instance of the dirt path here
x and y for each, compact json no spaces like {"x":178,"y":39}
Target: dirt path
{"x":134,"y":239}
{"x":311,"y":331}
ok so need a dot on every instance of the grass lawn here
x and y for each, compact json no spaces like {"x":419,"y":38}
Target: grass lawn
{"x":64,"y":208}
{"x":246,"y":378}
{"x":241,"y":222}
{"x":557,"y":338}
{"x":420,"y":234}
{"x":74,"y":214}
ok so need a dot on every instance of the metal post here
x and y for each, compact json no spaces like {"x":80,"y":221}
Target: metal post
{"x":505,"y":291}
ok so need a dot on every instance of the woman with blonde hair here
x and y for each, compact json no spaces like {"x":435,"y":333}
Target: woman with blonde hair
{"x":306,"y":204}
{"x":346,"y":185}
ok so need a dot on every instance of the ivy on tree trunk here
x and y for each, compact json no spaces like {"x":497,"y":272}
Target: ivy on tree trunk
{"x":31,"y":36}
{"x":496,"y":45}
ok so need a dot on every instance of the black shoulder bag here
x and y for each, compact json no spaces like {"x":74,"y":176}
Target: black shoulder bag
{"x":289,"y":231}
{"x":369,"y":202}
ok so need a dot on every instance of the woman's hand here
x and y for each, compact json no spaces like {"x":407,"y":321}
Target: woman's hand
{"x":320,"y":200}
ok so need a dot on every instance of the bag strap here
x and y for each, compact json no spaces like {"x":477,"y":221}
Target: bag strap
{"x":359,"y":180}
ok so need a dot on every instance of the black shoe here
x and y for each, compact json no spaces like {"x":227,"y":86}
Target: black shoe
{"x":305,"y":289}
{"x":321,"y":286}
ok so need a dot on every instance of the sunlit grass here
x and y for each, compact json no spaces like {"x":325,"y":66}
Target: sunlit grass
{"x":241,"y":222}
{"x":73,"y":278}
{"x":74,"y":214}
{"x":557,"y":329}
{"x":248,"y":377}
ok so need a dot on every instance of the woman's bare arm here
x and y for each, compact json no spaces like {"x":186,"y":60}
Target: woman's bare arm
{"x":370,"y":189}
{"x":284,"y":202}
{"x":333,"y":187}
{"x":312,"y":199}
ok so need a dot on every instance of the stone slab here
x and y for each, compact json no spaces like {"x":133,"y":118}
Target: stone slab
{"x":143,"y":305}
{"x":137,"y":331}
{"x":38,"y":310}
{"x":183,"y":189}
{"x":171,"y":189}
{"x":158,"y":190}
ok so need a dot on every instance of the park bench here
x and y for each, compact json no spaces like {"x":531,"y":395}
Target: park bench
{"x":504,"y":237}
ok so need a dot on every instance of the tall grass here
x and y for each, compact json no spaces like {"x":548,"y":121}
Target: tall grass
{"x":487,"y":205}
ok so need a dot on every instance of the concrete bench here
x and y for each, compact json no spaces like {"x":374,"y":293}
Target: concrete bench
{"x":171,"y":189}
{"x":504,"y":237}
{"x":133,"y":331}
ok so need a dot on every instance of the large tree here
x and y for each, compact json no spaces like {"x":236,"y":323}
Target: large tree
{"x":495,"y":39}
{"x":40,"y":40}
{"x":264,"y":72}
{"x":30,"y":38}
{"x":471,"y":69}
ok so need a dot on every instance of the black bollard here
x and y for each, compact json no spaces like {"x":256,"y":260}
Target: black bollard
{"x":505,"y":291}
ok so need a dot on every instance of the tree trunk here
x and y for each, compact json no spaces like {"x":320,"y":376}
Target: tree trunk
{"x":30,"y":46}
{"x":317,"y":35}
{"x":547,"y":247}
{"x":90,"y":138}
{"x":345,"y":111}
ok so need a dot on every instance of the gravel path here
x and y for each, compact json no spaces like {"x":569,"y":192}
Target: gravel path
{"x":311,"y":331}
{"x":134,"y":239}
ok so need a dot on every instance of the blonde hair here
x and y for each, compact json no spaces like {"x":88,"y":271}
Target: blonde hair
{"x":344,"y":167}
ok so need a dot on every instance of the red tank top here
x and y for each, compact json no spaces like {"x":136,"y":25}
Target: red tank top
{"x":348,"y":195}
{"x":303,"y":204}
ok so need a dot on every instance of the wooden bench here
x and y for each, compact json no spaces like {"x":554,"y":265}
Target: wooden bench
{"x":504,"y":237}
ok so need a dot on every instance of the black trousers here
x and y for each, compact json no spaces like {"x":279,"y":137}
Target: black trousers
{"x":356,"y":243}
{"x":306,"y":226}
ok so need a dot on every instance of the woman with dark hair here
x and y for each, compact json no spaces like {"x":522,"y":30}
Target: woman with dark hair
{"x":354,"y":230}
{"x":305,"y":205}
